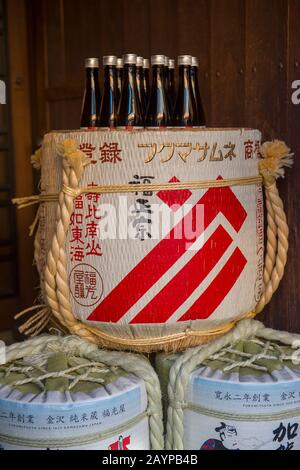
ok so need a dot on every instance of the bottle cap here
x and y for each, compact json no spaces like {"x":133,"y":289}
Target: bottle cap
{"x":195,"y":62}
{"x":158,"y":60}
{"x":171,"y":64}
{"x":120,"y":63}
{"x":109,"y":60}
{"x":185,"y":60}
{"x":92,"y":63}
{"x":129,"y":59}
{"x":166,"y":61}
{"x":146,"y":64}
{"x":139,"y":61}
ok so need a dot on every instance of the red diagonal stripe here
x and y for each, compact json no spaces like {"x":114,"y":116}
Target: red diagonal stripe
{"x":160,"y":259}
{"x":169,"y":299}
{"x":218,"y":289}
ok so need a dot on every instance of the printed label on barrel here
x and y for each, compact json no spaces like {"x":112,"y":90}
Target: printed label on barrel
{"x":133,"y":438}
{"x":128,"y":253}
{"x":209,"y":433}
{"x":242,"y":416}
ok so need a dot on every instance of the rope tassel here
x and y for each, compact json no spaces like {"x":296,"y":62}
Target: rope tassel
{"x":37,"y":322}
{"x":276,"y":155}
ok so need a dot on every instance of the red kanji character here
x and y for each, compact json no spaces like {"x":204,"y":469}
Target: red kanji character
{"x":76,"y":218}
{"x":93,"y":279}
{"x":78,"y":203}
{"x":79,"y":291}
{"x":110,"y":153}
{"x":88,"y":149}
{"x":248,"y":149}
{"x":91,"y":230}
{"x":77,"y":235}
{"x":77,"y":253}
{"x":93,"y":249}
{"x":94,"y":197}
{"x":92,"y":212}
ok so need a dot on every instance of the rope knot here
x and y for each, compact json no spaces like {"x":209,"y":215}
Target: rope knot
{"x":275,"y":156}
{"x":73,"y":157}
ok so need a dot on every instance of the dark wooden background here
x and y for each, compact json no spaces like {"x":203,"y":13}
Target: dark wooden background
{"x":249,"y":52}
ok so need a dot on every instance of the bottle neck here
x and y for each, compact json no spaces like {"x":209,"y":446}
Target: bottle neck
{"x":119,"y":72}
{"x":158,"y":75}
{"x":140,"y":72}
{"x":194,"y":74}
{"x":129,"y":72}
{"x":184,"y":76}
{"x":146,"y":75}
{"x":167,"y":76}
{"x":92,"y":77}
{"x":109,"y":76}
{"x":171,"y":76}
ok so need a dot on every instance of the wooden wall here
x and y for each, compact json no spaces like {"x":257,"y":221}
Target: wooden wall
{"x":249,"y":53}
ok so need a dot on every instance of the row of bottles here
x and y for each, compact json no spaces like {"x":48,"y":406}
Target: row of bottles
{"x":128,"y":99}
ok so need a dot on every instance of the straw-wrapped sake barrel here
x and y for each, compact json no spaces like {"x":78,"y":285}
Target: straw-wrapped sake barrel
{"x":154,"y":268}
{"x":59,"y":400}
{"x":245,"y":396}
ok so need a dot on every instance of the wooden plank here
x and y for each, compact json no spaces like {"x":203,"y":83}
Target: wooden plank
{"x":136,"y":27}
{"x":9,"y":307}
{"x":290,"y":289}
{"x":164,"y":27}
{"x":54,"y":45}
{"x":194,"y":37}
{"x":227,"y":62}
{"x":112,"y":27}
{"x":67,"y":92}
{"x":37,"y":55}
{"x":64,"y":114}
{"x":266,"y":65}
{"x":22,"y":149}
{"x":266,"y":34}
{"x":82,"y":36}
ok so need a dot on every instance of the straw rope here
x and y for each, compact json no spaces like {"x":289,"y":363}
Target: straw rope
{"x":155,"y":187}
{"x":22,"y":202}
{"x":56,"y":276}
{"x":181,"y":370}
{"x":131,"y":363}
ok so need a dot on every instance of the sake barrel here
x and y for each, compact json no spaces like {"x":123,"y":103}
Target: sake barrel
{"x":168,"y":250}
{"x":64,"y":399}
{"x":243,"y":396}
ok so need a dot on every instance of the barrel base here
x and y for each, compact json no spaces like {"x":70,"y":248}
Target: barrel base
{"x":168,"y":343}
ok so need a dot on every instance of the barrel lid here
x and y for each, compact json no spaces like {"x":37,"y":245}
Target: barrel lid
{"x":58,"y":372}
{"x":252,"y":360}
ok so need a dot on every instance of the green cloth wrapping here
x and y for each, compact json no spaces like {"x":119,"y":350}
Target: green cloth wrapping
{"x":57,"y":362}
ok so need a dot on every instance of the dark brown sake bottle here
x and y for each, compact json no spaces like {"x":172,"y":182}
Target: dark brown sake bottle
{"x":119,"y":78}
{"x":196,"y":91}
{"x":109,"y":104}
{"x":158,"y":114}
{"x":140,"y":85}
{"x":171,"y":85}
{"x":185,"y":111}
{"x":129,"y":113}
{"x":92,"y":96}
{"x":146,"y":67}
